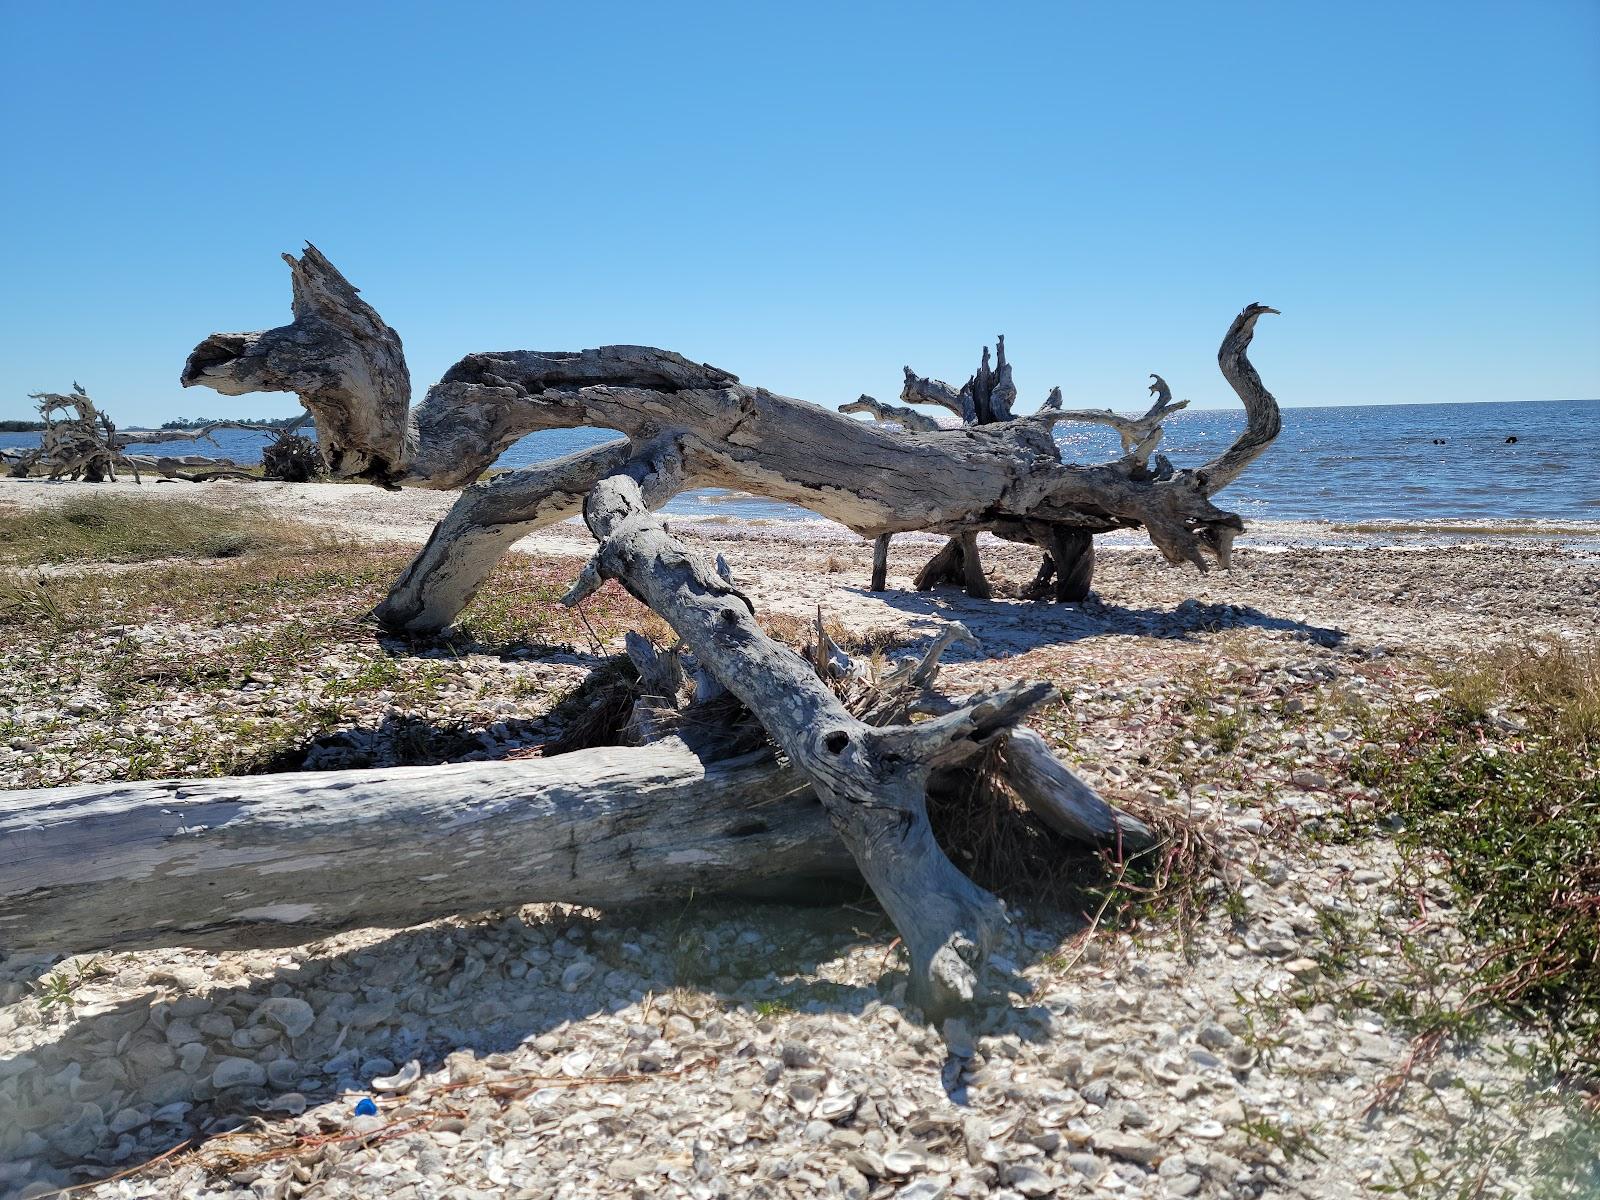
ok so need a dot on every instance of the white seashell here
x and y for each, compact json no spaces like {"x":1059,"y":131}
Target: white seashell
{"x":545,"y":1097}
{"x":401,"y":1081}
{"x":905,"y":1161}
{"x":803,"y":1096}
{"x":1057,"y":1115}
{"x":576,"y":1063}
{"x":836,"y":1108}
{"x":1003,"y":1125}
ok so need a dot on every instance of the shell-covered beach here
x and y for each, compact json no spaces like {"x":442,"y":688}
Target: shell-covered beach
{"x":1240,"y":1037}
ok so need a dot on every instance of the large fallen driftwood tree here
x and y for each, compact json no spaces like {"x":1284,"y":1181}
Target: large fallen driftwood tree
{"x":999,"y":473}
{"x":282,"y":857}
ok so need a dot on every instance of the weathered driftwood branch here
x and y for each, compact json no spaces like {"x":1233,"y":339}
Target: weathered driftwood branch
{"x":190,"y":468}
{"x":1140,"y":435}
{"x":346,"y":365}
{"x":84,"y":444}
{"x":908,"y":419}
{"x":871,"y":779}
{"x":1003,"y":475}
{"x":284,"y":859}
{"x":482,"y":526}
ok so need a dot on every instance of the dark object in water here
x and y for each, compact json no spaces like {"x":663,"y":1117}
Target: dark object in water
{"x":1512,"y":440}
{"x":1438,"y":441}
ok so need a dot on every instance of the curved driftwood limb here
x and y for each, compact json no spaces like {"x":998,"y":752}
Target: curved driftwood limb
{"x":1140,"y":435}
{"x":919,"y":389}
{"x":908,"y":419}
{"x":872,"y":780}
{"x":482,"y":525}
{"x":283,"y":859}
{"x":1063,"y":802}
{"x":1263,"y":422}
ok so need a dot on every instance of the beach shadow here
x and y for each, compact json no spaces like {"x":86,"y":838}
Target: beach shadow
{"x":1005,"y":626}
{"x":458,"y":642}
{"x":147,"y":1064}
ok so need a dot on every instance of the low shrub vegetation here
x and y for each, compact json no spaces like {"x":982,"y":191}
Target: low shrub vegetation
{"x":1498,"y":789}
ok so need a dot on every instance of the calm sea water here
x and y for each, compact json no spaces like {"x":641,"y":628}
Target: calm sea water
{"x":1367,"y":463}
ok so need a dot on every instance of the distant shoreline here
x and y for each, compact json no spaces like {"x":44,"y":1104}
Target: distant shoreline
{"x":410,"y":514}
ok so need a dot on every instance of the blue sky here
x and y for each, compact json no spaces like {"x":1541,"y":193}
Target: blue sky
{"x":812,"y":195}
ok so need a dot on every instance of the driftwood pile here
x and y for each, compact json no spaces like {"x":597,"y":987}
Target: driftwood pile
{"x":839,"y":784}
{"x":80,"y":441}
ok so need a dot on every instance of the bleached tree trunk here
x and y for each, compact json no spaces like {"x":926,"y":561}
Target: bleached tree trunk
{"x":284,"y":859}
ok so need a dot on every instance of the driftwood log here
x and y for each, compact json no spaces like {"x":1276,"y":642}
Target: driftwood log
{"x":998,"y":473}
{"x":285,"y":859}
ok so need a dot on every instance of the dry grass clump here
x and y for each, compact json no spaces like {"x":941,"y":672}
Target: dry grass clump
{"x":126,"y":529}
{"x":800,"y":635}
{"x":1555,"y":682}
{"x":594,"y":712}
{"x":989,"y":833}
{"x":30,"y":602}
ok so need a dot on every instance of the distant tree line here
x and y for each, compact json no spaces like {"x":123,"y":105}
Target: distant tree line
{"x":9,"y":426}
{"x":202,"y":422}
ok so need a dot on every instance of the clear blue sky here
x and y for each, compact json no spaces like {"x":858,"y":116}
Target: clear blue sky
{"x":812,"y":195}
